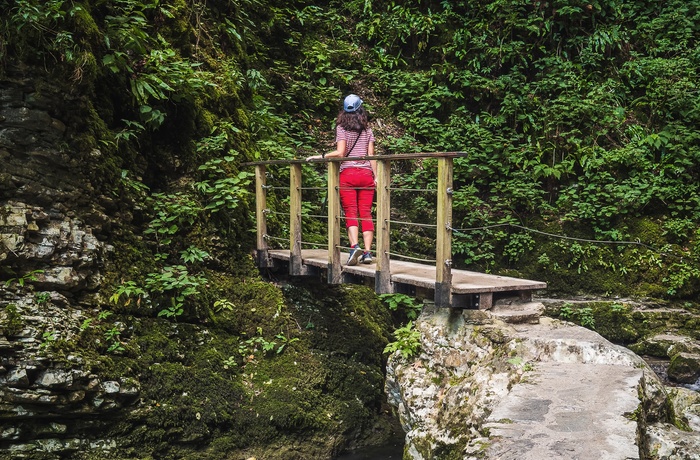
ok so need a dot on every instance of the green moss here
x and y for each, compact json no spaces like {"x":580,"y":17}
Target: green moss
{"x":432,"y":449}
{"x":198,"y":403}
{"x":13,"y":322}
{"x":614,"y":322}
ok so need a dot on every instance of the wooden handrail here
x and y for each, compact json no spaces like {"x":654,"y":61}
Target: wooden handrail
{"x":443,"y":250}
{"x":397,"y":156}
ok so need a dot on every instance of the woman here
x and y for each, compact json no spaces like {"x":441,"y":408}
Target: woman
{"x":354,"y":138}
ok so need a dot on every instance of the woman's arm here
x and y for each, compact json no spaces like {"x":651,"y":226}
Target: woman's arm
{"x":339,"y":152}
{"x":370,"y":153}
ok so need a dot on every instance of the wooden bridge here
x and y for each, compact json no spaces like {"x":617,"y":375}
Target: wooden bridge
{"x":448,"y":287}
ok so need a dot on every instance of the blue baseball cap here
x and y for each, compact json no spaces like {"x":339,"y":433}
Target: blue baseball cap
{"x":352,"y":103}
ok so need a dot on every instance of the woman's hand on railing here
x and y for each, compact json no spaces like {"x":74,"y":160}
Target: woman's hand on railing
{"x":314,"y":157}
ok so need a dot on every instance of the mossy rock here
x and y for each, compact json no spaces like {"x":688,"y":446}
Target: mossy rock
{"x":684,"y":368}
{"x":209,"y":392}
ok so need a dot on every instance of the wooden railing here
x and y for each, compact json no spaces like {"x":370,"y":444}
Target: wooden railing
{"x":443,"y":247}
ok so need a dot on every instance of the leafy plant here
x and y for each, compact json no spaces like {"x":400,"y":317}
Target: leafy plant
{"x":284,"y":341}
{"x":566,"y":312}
{"x":618,"y":308}
{"x":24,"y":279}
{"x":128,"y":289}
{"x":407,"y":341}
{"x":395,"y":302}
{"x":224,"y":304}
{"x":518,"y":362}
{"x":586,"y":318}
{"x":112,"y":336}
{"x":230,"y":362}
{"x":171,"y":212}
{"x":157,"y":73}
{"x":42,"y":297}
{"x":48,"y":338}
{"x":178,"y":284}
{"x":13,"y":320}
{"x":194,"y":254}
{"x":39,"y":27}
{"x":224,"y":193}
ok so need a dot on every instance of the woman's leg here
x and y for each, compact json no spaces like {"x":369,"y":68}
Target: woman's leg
{"x":365,"y":199}
{"x":367,"y":237}
{"x":354,"y":235}
{"x":348,"y":200}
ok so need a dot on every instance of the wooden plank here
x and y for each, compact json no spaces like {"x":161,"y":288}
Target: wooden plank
{"x":335,"y":268}
{"x":295,"y":264}
{"x":382,"y":284}
{"x":423,"y":276}
{"x":443,"y":247}
{"x":263,"y":259}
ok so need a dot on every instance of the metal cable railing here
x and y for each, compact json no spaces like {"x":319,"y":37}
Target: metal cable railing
{"x":435,"y":222}
{"x":456,"y":231}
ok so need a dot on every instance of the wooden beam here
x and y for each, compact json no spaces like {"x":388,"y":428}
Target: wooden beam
{"x":263,"y":257}
{"x":382,"y":280}
{"x":443,"y":250}
{"x":295,"y":262}
{"x":335,"y":269}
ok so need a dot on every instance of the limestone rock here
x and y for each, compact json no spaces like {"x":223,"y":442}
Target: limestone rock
{"x":488,"y":389}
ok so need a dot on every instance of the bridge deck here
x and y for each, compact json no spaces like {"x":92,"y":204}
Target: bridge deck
{"x":465,"y":284}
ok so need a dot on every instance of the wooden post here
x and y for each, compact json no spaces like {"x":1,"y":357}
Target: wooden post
{"x":295,"y":262}
{"x":335,"y":269}
{"x":443,"y":264}
{"x":382,"y":279}
{"x":262,"y":255}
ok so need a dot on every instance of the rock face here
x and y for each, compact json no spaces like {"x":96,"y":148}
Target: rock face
{"x":51,"y":264}
{"x":483,"y":388}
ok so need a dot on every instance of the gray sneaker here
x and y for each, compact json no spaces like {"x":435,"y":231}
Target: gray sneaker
{"x":366,"y":258}
{"x":354,"y":255}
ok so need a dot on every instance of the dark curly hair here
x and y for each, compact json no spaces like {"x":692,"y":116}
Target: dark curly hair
{"x":353,"y":121}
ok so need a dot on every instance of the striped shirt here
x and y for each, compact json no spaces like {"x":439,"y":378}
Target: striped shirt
{"x":360,"y":148}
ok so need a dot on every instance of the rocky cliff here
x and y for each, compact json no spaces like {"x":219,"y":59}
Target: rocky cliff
{"x":482,"y":387}
{"x":246,"y":369}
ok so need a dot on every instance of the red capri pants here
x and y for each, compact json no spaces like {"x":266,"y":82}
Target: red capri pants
{"x":356,"y":196}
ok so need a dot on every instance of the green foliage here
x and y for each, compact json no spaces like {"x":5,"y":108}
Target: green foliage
{"x":224,"y":304}
{"x":128,"y":289}
{"x":618,"y":308}
{"x":22,"y":280}
{"x":42,"y":297}
{"x":172,"y":211}
{"x":157,"y":73}
{"x":583,"y":316}
{"x":566,"y":312}
{"x":112,"y":336}
{"x":48,"y":338}
{"x":518,"y":362}
{"x":177,"y":284}
{"x":397,"y":302}
{"x":247,"y":348}
{"x":36,"y":29}
{"x":223,"y":192}
{"x":193,"y":254}
{"x":407,"y":341}
{"x":13,"y":322}
{"x":586,"y":318}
